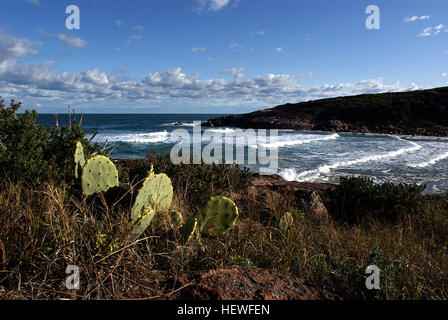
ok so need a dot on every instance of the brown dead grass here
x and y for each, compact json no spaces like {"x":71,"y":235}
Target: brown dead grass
{"x":44,"y":230}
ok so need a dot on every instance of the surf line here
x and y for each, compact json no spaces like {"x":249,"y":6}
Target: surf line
{"x":327,"y":168}
{"x":280,"y":144}
{"x":430,"y":162}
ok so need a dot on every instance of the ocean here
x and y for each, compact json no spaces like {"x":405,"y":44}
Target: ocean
{"x":302,"y":155}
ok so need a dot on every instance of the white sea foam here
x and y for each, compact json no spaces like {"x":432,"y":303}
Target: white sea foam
{"x":430,"y":162}
{"x":185,"y":124}
{"x":226,"y":130}
{"x":151,"y":137}
{"x":311,"y":175}
{"x":295,"y":142}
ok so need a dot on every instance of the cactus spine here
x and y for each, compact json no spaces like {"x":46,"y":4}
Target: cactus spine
{"x":221,"y":215}
{"x":98,"y":175}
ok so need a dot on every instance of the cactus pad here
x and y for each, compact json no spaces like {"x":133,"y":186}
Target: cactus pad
{"x":221,"y":215}
{"x":79,"y":158}
{"x":188,"y":229}
{"x":156,"y":191}
{"x":142,"y":223}
{"x":99,"y":174}
{"x":286,"y":222}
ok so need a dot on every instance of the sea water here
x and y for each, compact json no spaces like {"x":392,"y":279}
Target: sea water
{"x":303,"y":155}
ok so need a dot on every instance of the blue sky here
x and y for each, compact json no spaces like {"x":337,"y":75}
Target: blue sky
{"x":215,"y":56}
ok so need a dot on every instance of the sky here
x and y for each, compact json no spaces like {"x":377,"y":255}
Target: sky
{"x":215,"y":56}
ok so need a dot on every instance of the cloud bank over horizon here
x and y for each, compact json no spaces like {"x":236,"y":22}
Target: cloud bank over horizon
{"x":40,"y":83}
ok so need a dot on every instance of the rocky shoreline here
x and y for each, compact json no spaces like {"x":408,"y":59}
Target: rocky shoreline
{"x":254,"y":122}
{"x":420,"y":113}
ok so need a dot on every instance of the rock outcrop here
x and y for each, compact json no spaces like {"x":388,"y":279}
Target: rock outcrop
{"x":422,"y":113}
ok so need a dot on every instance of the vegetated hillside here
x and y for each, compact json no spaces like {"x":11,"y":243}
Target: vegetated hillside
{"x":423,"y":112}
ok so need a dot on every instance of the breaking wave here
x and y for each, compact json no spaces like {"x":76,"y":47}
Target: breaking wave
{"x":290,"y":174}
{"x":295,"y":142}
{"x":151,"y":137}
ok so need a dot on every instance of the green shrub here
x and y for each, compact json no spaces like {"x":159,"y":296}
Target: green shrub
{"x":197,"y":182}
{"x":358,"y":197}
{"x":33,"y":153}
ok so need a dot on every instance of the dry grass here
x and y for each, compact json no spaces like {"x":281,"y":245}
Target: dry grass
{"x":43,"y":230}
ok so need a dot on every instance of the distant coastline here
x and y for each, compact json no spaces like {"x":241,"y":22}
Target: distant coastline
{"x":420,"y":113}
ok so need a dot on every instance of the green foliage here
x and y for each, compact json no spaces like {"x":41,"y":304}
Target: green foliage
{"x":197,"y":182}
{"x":143,"y":222}
{"x":358,"y":197}
{"x":155,"y":195}
{"x":33,"y":153}
{"x":160,"y":192}
{"x":79,"y":159}
{"x":98,"y":175}
{"x":297,"y":214}
{"x":221,"y":214}
{"x":156,"y":191}
{"x":242,"y":261}
{"x":188,"y":229}
{"x":286,"y":222}
{"x":176,"y":219}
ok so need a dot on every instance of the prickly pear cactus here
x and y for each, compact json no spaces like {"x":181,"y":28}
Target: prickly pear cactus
{"x":99,"y":174}
{"x":80,"y":161}
{"x":156,"y":191}
{"x":161,"y":192}
{"x":188,"y":229}
{"x":176,"y":219}
{"x":143,"y":221}
{"x":286,"y":222}
{"x":221,"y":215}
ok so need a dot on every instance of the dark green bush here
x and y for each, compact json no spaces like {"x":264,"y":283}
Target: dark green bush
{"x":33,"y":153}
{"x":358,"y":197}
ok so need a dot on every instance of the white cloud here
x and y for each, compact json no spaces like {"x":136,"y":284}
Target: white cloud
{"x":238,"y":73}
{"x":31,"y":80}
{"x":41,"y":84}
{"x":118,"y":23}
{"x":197,"y":49}
{"x":214,"y":5}
{"x":139,"y":28}
{"x":233,"y":45}
{"x":426,"y":32}
{"x":432,"y":31}
{"x":72,"y":41}
{"x":415,"y":18}
{"x":136,"y":37}
{"x":279,"y":49}
{"x":444,"y":74}
{"x":260,"y":33}
{"x":36,"y":2}
{"x":12,"y":48}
